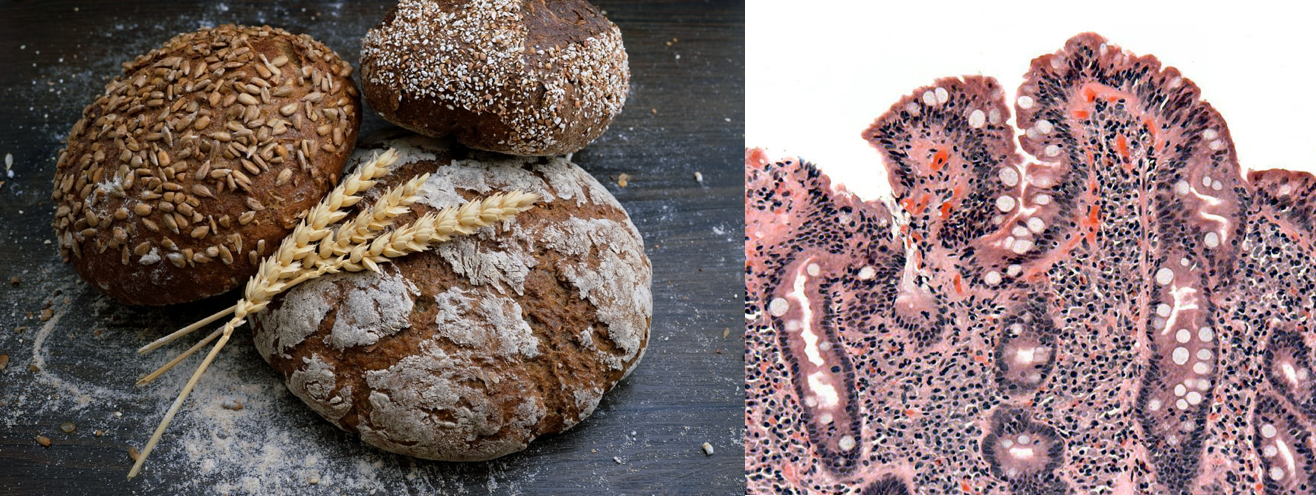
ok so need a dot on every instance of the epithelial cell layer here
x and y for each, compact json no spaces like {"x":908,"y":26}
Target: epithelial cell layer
{"x":1283,"y":443}
{"x":1105,"y":305}
{"x":1026,"y":351}
{"x":887,"y":485}
{"x":827,"y":272}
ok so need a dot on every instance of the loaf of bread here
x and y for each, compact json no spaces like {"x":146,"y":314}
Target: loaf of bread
{"x":470,"y":351}
{"x":523,"y":77}
{"x":199,"y":159}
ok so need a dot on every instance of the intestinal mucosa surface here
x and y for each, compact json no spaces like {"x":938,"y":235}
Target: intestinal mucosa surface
{"x":1118,"y":312}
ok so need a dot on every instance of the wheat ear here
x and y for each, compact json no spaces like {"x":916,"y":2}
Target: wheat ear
{"x":281,"y":271}
{"x":313,"y":228}
{"x":371,"y":221}
{"x":434,"y":228}
{"x":365,"y":226}
{"x":423,"y":234}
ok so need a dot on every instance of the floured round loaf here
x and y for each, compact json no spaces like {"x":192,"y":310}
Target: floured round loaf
{"x":470,"y":351}
{"x":198,"y":160}
{"x":524,"y":77}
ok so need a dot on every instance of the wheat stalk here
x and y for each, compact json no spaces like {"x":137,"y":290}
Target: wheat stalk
{"x":362,"y":228}
{"x":356,"y":245}
{"x":371,"y":221}
{"x":426,"y":232}
{"x":431,"y":229}
{"x":313,"y":228}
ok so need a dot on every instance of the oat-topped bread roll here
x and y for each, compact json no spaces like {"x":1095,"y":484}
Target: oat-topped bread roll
{"x":525,"y":77}
{"x":470,"y":351}
{"x":199,"y":159}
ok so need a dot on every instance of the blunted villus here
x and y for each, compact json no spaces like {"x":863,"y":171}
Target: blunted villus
{"x":1096,"y":301}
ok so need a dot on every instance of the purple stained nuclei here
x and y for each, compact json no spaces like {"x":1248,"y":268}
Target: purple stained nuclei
{"x":1118,"y":311}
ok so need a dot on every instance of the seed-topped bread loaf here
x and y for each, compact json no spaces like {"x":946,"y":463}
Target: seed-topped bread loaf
{"x":199,"y":159}
{"x":524,"y":77}
{"x":470,"y":351}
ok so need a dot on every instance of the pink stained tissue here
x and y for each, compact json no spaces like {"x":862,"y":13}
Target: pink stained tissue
{"x":1094,"y":301}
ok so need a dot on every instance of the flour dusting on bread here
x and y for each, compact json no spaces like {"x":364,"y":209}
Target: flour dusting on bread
{"x":372,"y":307}
{"x":473,"y":349}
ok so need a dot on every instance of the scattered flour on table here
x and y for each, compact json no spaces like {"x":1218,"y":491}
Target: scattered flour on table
{"x":273,"y":444}
{"x":240,"y":432}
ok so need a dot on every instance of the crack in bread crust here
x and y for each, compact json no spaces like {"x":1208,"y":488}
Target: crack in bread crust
{"x":505,"y":335}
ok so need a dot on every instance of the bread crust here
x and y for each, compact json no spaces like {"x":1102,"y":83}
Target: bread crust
{"x":470,"y":351}
{"x":522,"y":77}
{"x":199,"y":159}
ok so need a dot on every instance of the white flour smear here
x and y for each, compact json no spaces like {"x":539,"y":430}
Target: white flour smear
{"x":86,"y":361}
{"x":240,"y":431}
{"x":273,"y":444}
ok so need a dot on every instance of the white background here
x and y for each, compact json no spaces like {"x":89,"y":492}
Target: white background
{"x":819,"y":72}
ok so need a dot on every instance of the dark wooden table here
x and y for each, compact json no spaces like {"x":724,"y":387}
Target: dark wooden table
{"x":685,"y":115}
